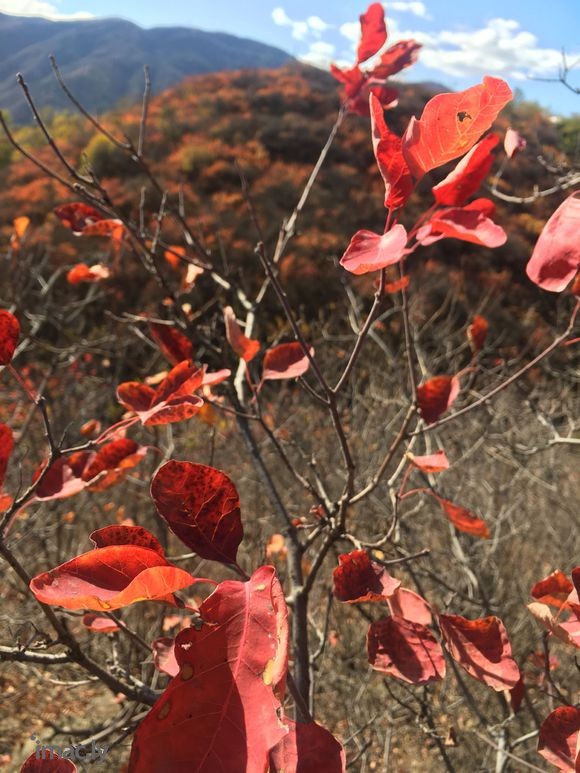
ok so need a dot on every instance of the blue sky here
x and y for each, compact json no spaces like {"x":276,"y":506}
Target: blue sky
{"x":515,"y":39}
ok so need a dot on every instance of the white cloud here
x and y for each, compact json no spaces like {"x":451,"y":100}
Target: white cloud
{"x":319,"y":54}
{"x":39,"y":8}
{"x":313,"y":26}
{"x":499,"y":48}
{"x":409,"y":6}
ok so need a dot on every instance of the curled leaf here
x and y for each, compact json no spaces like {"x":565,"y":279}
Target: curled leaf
{"x":389,"y":156}
{"x":83,"y":273}
{"x":174,"y":346}
{"x":470,"y":223}
{"x":359,"y":579}
{"x":164,"y":655}
{"x":373,"y":32}
{"x":463,"y":519}
{"x":559,"y":737}
{"x":468,"y":175}
{"x":436,"y":395}
{"x":9,"y":332}
{"x":77,"y":216}
{"x":477,"y":332}
{"x":437,"y":462}
{"x":513,"y":143}
{"x":244,"y":347}
{"x":553,"y":589}
{"x":369,"y":251}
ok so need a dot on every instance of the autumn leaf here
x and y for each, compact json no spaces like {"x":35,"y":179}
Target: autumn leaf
{"x":396,"y":58}
{"x":244,"y":347}
{"x":463,"y":519}
{"x":431,"y":463}
{"x":389,"y":156}
{"x":373,"y":32}
{"x":567,"y":631}
{"x":285,"y":361}
{"x":411,"y":606}
{"x":358,"y":579}
{"x":201,"y":506}
{"x":49,"y":763}
{"x":9,"y":332}
{"x":173,"y":400}
{"x":308,"y":747}
{"x":482,"y":648}
{"x":225,"y":703}
{"x":513,"y":143}
{"x":405,"y":650}
{"x":556,"y":256}
{"x":468,"y":175}
{"x":553,"y":589}
{"x":436,"y":395}
{"x":452,"y":123}
{"x":172,"y":343}
{"x":164,"y":655}
{"x":6,"y":446}
{"x":477,"y":332}
{"x":110,"y":577}
{"x":98,"y":624}
{"x":470,"y":223}
{"x":369,"y":251}
{"x":83,"y":273}
{"x":77,"y":216}
{"x":558,"y":738}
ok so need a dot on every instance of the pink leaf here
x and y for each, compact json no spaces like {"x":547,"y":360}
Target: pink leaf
{"x":556,"y":256}
{"x":405,"y":650}
{"x":369,"y":251}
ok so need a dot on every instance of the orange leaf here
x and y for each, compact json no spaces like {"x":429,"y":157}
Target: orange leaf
{"x":463,"y":519}
{"x":244,"y":347}
{"x":431,"y":463}
{"x":436,"y":396}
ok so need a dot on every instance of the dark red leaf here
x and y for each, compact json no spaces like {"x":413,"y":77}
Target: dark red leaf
{"x":358,"y":579}
{"x":111,"y":577}
{"x":452,"y":123}
{"x":369,"y":251}
{"x":285,"y":361}
{"x":223,"y":708}
{"x":174,"y":346}
{"x":463,"y":519}
{"x":48,"y":763}
{"x":308,"y":748}
{"x":396,"y":58}
{"x":405,"y":650}
{"x":556,"y":256}
{"x":117,"y":457}
{"x":119,"y":534}
{"x":468,"y":175}
{"x":77,"y":216}
{"x":482,"y":648}
{"x":9,"y":332}
{"x":436,"y":396}
{"x":373,"y":32}
{"x":6,"y":446}
{"x":244,"y":347}
{"x":201,"y":506}
{"x":477,"y":332}
{"x":558,"y":738}
{"x":389,"y":155}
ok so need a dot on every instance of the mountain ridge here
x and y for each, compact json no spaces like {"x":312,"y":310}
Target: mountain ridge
{"x":102,"y":60}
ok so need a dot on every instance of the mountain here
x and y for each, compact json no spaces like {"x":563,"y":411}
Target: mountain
{"x":102,"y":59}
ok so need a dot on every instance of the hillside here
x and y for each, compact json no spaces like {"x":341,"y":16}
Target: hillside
{"x":103,"y":59}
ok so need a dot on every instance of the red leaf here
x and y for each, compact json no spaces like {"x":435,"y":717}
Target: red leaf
{"x":513,"y":143}
{"x":396,"y":58}
{"x":516,"y":695}
{"x":411,"y":606}
{"x":452,"y":123}
{"x":201,"y":506}
{"x":469,"y":224}
{"x":244,"y":347}
{"x":556,"y":256}
{"x":369,"y":251}
{"x":82,"y":273}
{"x":389,"y":155}
{"x":373,"y":32}
{"x":172,"y":401}
{"x":431,"y":463}
{"x":568,"y":631}
{"x":558,"y":738}
{"x":116,"y":459}
{"x":398,"y":285}
{"x":98,"y":624}
{"x":307,"y":748}
{"x":482,"y":648}
{"x":174,"y":346}
{"x":285,"y":361}
{"x":405,"y":650}
{"x":119,"y":534}
{"x":553,"y":589}
{"x":6,"y":446}
{"x":223,"y":707}
{"x":113,"y":228}
{"x":477,"y":332}
{"x":436,"y":396}
{"x":352,"y":79}
{"x":63,"y":479}
{"x":9,"y":332}
{"x":164,"y":655}
{"x":77,"y":216}
{"x":358,"y":579}
{"x":111,"y":577}
{"x":48,"y":763}
{"x":468,"y":175}
{"x":463,"y":519}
